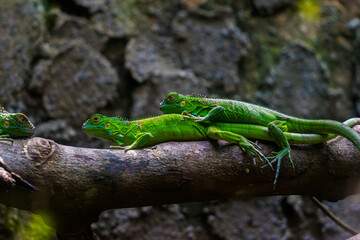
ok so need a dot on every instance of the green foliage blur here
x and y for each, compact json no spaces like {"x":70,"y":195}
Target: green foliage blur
{"x":25,"y":225}
{"x":310,"y":9}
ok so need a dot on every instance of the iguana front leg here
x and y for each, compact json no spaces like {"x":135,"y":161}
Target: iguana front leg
{"x":276,"y":131}
{"x":208,"y":117}
{"x":6,"y":137}
{"x":245,"y":144}
{"x":142,"y":139}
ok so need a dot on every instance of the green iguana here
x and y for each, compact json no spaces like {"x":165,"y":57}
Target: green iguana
{"x":150,"y":131}
{"x":208,"y":110}
{"x":14,"y":125}
{"x":174,"y":127}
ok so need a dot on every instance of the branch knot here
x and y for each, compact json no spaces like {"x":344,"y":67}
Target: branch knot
{"x":40,"y":149}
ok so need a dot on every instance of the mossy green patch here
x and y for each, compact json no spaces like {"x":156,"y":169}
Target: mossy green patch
{"x":310,"y":10}
{"x":132,"y":15}
{"x":36,"y":229}
{"x":25,"y":225}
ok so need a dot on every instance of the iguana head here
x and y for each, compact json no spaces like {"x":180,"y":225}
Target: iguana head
{"x":15,"y":124}
{"x":178,"y":103}
{"x":173,"y":103}
{"x":101,"y":126}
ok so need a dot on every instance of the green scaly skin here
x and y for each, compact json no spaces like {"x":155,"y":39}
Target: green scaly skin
{"x":150,"y":131}
{"x":211,"y":110}
{"x":13,"y":125}
{"x":174,"y":127}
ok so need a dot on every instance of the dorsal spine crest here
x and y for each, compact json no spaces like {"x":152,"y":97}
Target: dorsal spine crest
{"x":198,"y":95}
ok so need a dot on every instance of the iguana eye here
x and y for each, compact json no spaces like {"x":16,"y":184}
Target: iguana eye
{"x":171,"y":97}
{"x":107,"y":125}
{"x":96,"y":119}
{"x":22,"y":119}
{"x":6,"y":123}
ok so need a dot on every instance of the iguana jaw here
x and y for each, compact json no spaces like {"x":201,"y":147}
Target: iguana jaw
{"x":17,"y":128}
{"x":170,"y":108}
{"x":95,"y":131}
{"x":23,"y":132}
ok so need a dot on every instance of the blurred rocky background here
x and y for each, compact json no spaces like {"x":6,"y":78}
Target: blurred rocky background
{"x":63,"y":60}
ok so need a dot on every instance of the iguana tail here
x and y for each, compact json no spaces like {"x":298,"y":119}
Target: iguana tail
{"x":323,"y":127}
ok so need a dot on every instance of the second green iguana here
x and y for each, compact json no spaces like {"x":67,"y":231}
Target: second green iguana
{"x":211,"y":110}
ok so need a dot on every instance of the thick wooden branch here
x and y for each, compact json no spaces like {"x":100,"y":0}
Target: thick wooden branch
{"x":76,"y":184}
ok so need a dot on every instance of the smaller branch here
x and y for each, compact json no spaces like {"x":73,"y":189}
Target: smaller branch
{"x":333,"y":217}
{"x":10,"y":180}
{"x":7,"y":182}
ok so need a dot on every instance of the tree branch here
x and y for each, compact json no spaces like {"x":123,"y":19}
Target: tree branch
{"x":76,"y":184}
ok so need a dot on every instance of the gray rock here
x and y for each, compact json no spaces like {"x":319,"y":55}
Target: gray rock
{"x":246,"y":220}
{"x":71,"y":27}
{"x":120,"y":18}
{"x":75,"y":81}
{"x":93,"y":5}
{"x":210,"y":51}
{"x":199,"y":59}
{"x":147,"y":97}
{"x":149,"y":56}
{"x":21,"y":29}
{"x":153,"y":62}
{"x":331,"y":19}
{"x":161,"y":223}
{"x":299,"y":84}
{"x":211,"y":47}
{"x":58,"y":130}
{"x":109,"y":18}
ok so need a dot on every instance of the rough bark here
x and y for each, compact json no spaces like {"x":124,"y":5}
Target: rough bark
{"x":76,"y":184}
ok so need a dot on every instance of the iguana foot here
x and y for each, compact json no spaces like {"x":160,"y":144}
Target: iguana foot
{"x":6,"y":138}
{"x":186,"y":115}
{"x":278,"y":158}
{"x":127,"y":148}
{"x":117,"y":147}
{"x":254,"y":149}
{"x":212,"y":115}
{"x":245,"y":144}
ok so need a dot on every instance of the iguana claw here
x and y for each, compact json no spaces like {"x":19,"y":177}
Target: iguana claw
{"x":254,"y":149}
{"x":278,"y":158}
